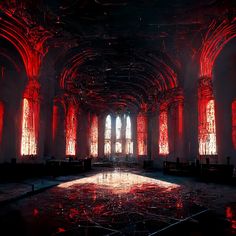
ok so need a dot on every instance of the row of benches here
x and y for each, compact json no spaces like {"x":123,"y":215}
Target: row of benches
{"x":206,"y":171}
{"x":19,"y":171}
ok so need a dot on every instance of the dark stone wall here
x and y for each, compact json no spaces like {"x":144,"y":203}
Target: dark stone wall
{"x":185,"y":147}
{"x":224,"y":83}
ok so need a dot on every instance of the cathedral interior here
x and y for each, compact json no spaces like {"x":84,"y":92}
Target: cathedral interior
{"x":117,"y":117}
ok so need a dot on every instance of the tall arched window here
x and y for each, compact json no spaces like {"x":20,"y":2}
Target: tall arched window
{"x":30,"y":115}
{"x":107,"y":144}
{"x":142,"y":134}
{"x":163,"y":134}
{"x":71,"y":131}
{"x":128,"y":137}
{"x":118,"y":135}
{"x":234,"y":123}
{"x":94,"y":136}
{"x":207,"y":136}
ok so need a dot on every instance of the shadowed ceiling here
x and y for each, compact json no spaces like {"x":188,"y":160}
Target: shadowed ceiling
{"x":124,"y":54}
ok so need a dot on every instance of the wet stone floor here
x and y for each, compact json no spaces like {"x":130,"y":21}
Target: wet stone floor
{"x":120,"y":202}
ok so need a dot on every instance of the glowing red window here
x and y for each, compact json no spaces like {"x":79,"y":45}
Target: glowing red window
{"x":71,"y":129}
{"x":118,"y":135}
{"x":142,"y":134}
{"x":94,"y":136}
{"x":163,"y":134}
{"x":30,"y":118}
{"x":207,"y":128}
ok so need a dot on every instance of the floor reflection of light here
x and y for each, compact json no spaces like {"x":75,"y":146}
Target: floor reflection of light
{"x":120,"y":182}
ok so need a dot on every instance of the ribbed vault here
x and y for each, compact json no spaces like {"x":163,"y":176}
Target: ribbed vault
{"x":114,"y":77}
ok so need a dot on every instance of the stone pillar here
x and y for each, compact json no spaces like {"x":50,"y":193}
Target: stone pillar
{"x":11,"y":144}
{"x":154,"y":133}
{"x":149,"y":135}
{"x":59,"y":142}
{"x":179,"y":145}
{"x":101,"y":133}
{"x":190,"y":117}
{"x":133,"y":118}
{"x":224,"y":127}
{"x":171,"y":125}
{"x":83,"y":135}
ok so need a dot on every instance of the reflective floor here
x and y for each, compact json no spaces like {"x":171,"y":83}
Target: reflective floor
{"x":109,"y":203}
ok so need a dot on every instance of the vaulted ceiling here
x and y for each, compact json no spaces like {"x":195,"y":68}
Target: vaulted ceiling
{"x":123,"y":54}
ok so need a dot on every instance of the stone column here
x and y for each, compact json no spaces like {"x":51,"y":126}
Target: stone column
{"x":133,"y":118}
{"x":59,"y":142}
{"x":171,"y":126}
{"x":154,"y":132}
{"x":83,"y":135}
{"x":179,"y":141}
{"x":149,"y":135}
{"x":101,"y":133}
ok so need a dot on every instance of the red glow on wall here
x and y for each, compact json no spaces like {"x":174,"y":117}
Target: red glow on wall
{"x":234,"y":123}
{"x":142,"y":134}
{"x":61,"y":230}
{"x":54,"y":121}
{"x":1,"y":119}
{"x":215,"y":39}
{"x":35,"y":212}
{"x":29,"y":41}
{"x":207,"y":129}
{"x":94,"y":136}
{"x":30,"y":118}
{"x":180,"y":118}
{"x":163,"y":135}
{"x":71,"y":130}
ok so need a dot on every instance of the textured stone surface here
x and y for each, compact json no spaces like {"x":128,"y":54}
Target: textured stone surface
{"x":122,"y":202}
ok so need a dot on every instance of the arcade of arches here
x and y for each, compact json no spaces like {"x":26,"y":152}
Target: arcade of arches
{"x":103,"y":79}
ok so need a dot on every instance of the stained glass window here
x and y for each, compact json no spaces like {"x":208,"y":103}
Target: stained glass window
{"x":107,"y":147}
{"x":118,"y":128}
{"x":128,"y":128}
{"x":128,"y":136}
{"x":94,"y":136}
{"x":108,"y":127}
{"x":163,"y":134}
{"x":107,"y":144}
{"x":30,"y":115}
{"x":142,"y":134}
{"x":118,"y":147}
{"x":71,"y":131}
{"x":207,"y":129}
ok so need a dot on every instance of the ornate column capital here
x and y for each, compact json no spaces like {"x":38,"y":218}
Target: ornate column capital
{"x":32,"y":90}
{"x":205,"y":87}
